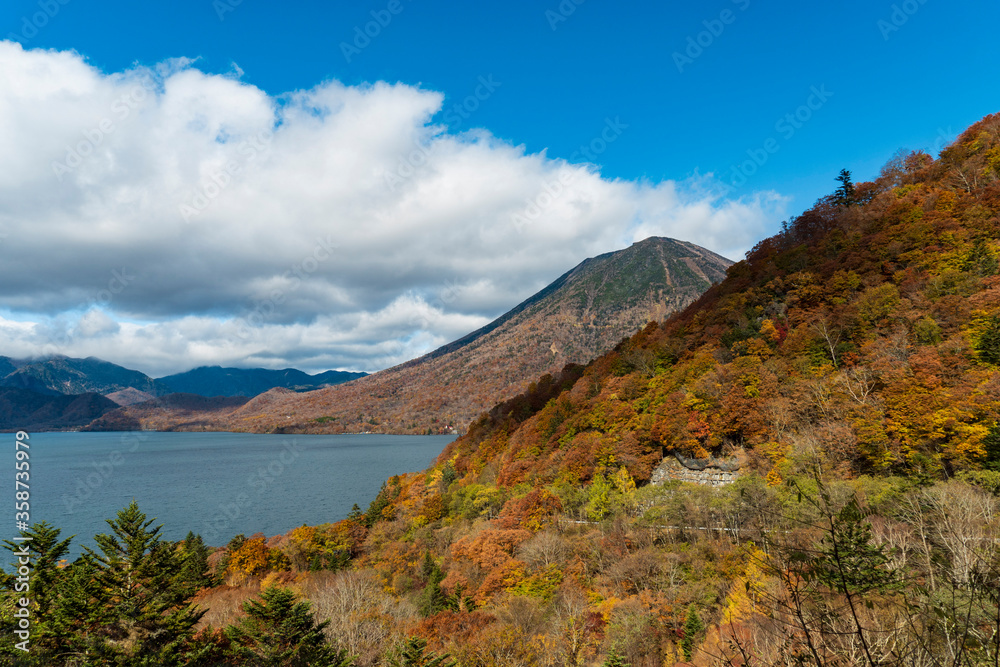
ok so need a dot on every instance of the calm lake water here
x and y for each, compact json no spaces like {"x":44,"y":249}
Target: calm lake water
{"x":216,"y":484}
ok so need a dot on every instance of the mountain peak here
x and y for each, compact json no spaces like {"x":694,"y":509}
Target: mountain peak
{"x":581,"y":314}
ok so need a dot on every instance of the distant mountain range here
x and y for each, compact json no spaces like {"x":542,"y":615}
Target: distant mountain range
{"x":579,"y":316}
{"x":61,"y":392}
{"x":66,"y":376}
{"x":218,"y":381}
{"x":61,"y":375}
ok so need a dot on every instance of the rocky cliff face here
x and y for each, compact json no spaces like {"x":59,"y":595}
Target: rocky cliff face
{"x":709,"y":473}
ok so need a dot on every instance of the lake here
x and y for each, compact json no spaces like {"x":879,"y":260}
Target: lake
{"x":216,"y":484}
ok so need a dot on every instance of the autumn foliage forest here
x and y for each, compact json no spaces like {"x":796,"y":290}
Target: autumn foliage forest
{"x":851,"y":364}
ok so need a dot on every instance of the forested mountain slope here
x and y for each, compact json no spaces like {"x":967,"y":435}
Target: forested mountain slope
{"x":24,"y":410}
{"x":868,"y":332}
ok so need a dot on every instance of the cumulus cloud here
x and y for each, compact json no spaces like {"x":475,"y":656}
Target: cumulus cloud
{"x":96,"y":323}
{"x":166,"y":217}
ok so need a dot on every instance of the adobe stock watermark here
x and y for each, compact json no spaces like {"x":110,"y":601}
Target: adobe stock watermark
{"x":486,"y":86}
{"x":786,"y":126}
{"x":103,"y":469}
{"x":257,"y":483}
{"x":94,"y":137}
{"x":562,"y":12}
{"x":608,"y":135}
{"x":943,"y":139}
{"x":301,"y":271}
{"x":407,"y":165}
{"x":697,"y":44}
{"x":30,"y":25}
{"x":363,"y":35}
{"x":898,"y":17}
{"x":223,"y":7}
{"x":211,"y":187}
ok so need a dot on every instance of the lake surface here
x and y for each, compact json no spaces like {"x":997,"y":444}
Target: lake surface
{"x":216,"y":484}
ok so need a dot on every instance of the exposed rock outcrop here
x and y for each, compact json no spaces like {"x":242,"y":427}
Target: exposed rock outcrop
{"x":711,"y":472}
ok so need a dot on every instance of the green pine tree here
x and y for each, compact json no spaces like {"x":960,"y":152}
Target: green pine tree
{"x":432,"y":599}
{"x":845,"y":195}
{"x":79,"y":613}
{"x":989,"y":342}
{"x":692,"y":628}
{"x":615,"y":660}
{"x":139,"y":601}
{"x":459,"y":601}
{"x":280,"y":632}
{"x":338,"y":560}
{"x":414,"y":653}
{"x":850,"y":562}
{"x":448,"y":475}
{"x":45,"y":550}
{"x":428,"y":567}
{"x":980,"y":261}
{"x":374,"y":513}
{"x":194,"y":562}
{"x":992,"y":445}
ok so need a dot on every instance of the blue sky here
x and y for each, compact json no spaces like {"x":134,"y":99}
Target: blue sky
{"x":563,"y":73}
{"x":430,"y":195}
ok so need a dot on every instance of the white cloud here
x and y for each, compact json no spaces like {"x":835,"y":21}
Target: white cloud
{"x":191,"y":218}
{"x":96,"y":323}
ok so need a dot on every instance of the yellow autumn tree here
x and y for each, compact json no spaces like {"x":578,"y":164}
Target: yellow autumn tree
{"x":746,"y":590}
{"x":251,"y":558}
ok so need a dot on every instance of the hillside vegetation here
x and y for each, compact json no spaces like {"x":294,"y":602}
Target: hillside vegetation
{"x":851,"y":364}
{"x":866,"y":335}
{"x":21,"y":409}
